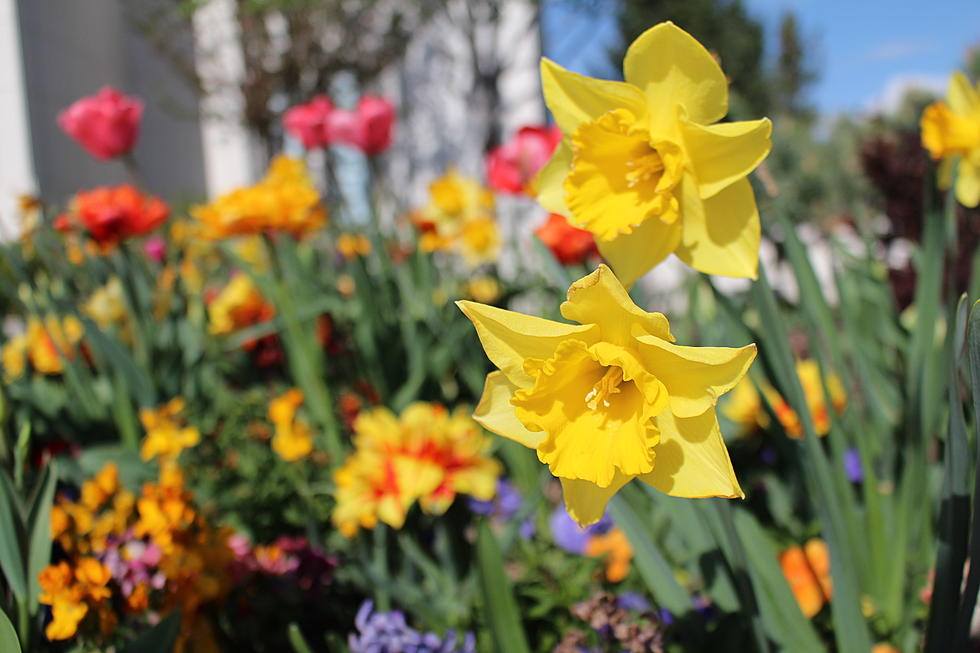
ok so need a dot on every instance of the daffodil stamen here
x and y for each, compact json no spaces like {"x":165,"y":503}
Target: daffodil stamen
{"x":607,"y":385}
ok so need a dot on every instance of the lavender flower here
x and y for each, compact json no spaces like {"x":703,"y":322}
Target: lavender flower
{"x":572,"y":537}
{"x":133,"y":561}
{"x":852,"y":465}
{"x":387,"y":632}
{"x":504,"y":507}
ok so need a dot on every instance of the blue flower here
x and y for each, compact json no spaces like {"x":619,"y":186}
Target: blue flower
{"x":570,"y":536}
{"x":387,"y":632}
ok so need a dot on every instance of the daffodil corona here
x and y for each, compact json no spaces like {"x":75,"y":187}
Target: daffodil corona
{"x":610,"y":398}
{"x":951,"y":132}
{"x":642,"y":167}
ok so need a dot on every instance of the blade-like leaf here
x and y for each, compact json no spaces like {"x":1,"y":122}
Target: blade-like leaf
{"x":498,"y":599}
{"x":39,"y":532}
{"x":159,"y":639}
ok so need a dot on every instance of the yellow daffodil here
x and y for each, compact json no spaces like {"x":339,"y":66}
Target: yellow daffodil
{"x":460,"y":216}
{"x":293,"y":439}
{"x":643,"y":168}
{"x":951,"y":132}
{"x":166,"y":435}
{"x":610,"y":398}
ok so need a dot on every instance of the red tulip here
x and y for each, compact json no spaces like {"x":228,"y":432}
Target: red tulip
{"x":112,"y":214}
{"x":569,"y":244}
{"x":309,"y":123}
{"x":368,"y":128}
{"x":105,"y":124}
{"x":512,"y":166}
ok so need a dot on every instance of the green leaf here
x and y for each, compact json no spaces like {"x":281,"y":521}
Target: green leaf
{"x":654,"y":568}
{"x":11,"y":526}
{"x":969,"y":599}
{"x":501,"y":608}
{"x":297,"y":641}
{"x":159,"y":639}
{"x":39,"y":528}
{"x":9,"y":643}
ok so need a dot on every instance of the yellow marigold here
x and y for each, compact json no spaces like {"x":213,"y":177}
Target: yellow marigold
{"x":352,"y":246}
{"x":292,"y":439}
{"x":643,"y":168}
{"x":284,"y":200}
{"x":166,"y":435}
{"x":951,"y":132}
{"x":238,"y":305}
{"x":610,"y":398}
{"x":427,"y":455}
{"x":107,"y":305}
{"x":745,"y":407}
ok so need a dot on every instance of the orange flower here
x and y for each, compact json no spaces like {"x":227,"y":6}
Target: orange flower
{"x":569,"y":244}
{"x":112,"y":214}
{"x":616,"y":547}
{"x":807,"y":570}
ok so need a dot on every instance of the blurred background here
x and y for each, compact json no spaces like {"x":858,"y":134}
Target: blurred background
{"x":844,"y":81}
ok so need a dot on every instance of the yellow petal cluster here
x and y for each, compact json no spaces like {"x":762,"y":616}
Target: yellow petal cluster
{"x":610,"y":398}
{"x":427,"y":455}
{"x":951,"y":133}
{"x":166,"y":434}
{"x":352,"y":246}
{"x":71,"y":592}
{"x":744,"y":406}
{"x":292,"y":439}
{"x":285,"y":200}
{"x":460,"y":216}
{"x":238,"y":305}
{"x":44,"y":345}
{"x":642,"y":166}
{"x":107,"y":304}
{"x":103,"y":510}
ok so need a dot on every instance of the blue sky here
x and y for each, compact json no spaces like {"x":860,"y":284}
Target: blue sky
{"x":867,"y":51}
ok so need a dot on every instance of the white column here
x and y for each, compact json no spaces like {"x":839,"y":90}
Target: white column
{"x":228,"y":159}
{"x":16,"y":162}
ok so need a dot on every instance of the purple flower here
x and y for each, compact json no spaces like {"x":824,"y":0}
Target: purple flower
{"x":132,"y":562}
{"x":570,"y":536}
{"x":852,"y":465}
{"x":504,"y":505}
{"x":633,"y":601}
{"x":387,"y":632}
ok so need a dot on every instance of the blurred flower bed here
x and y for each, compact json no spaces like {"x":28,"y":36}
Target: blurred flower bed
{"x":249,"y":424}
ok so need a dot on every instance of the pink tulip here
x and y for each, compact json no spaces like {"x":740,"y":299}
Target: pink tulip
{"x":512,"y":166}
{"x":105,"y":124}
{"x":155,"y":249}
{"x":368,"y":128}
{"x":309,"y":123}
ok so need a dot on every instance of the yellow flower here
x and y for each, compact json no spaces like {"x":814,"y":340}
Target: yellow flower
{"x":292,"y":439}
{"x":44,"y":345}
{"x":284,"y":200}
{"x":166,"y":436}
{"x":642,"y":167}
{"x":238,"y":305}
{"x":351,"y":246}
{"x":610,"y":398}
{"x":951,"y":131}
{"x":427,"y":455}
{"x":485,"y":290}
{"x":14,"y":355}
{"x":70,"y":594}
{"x":744,"y":406}
{"x":107,"y":306}
{"x":460,"y":216}
{"x":615,"y":546}
{"x":807,"y":571}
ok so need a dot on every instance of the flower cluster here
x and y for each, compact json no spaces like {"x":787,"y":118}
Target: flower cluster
{"x":807,"y":570}
{"x":154,"y":551}
{"x":319,"y":124}
{"x":44,"y":346}
{"x":238,"y":305}
{"x":427,"y":455}
{"x":599,"y":540}
{"x":294,"y":558}
{"x":460,"y":217}
{"x":745,"y":406}
{"x":112,"y":214}
{"x":387,"y":632}
{"x":285,"y":200}
{"x":292,"y":439}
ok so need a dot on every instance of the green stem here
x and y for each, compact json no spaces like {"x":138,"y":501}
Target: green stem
{"x":740,"y":573}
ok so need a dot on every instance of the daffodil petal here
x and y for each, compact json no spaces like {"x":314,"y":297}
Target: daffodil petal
{"x":968,"y":183}
{"x":495,"y":412}
{"x":600,"y":298}
{"x":720,"y":234}
{"x":549,"y":184}
{"x":674,"y":69}
{"x":633,"y":255}
{"x":585,"y":501}
{"x":508,"y":337}
{"x":574,"y":98}
{"x":695,"y":377}
{"x":963,"y":98}
{"x":725,"y":153}
{"x":692,"y":460}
